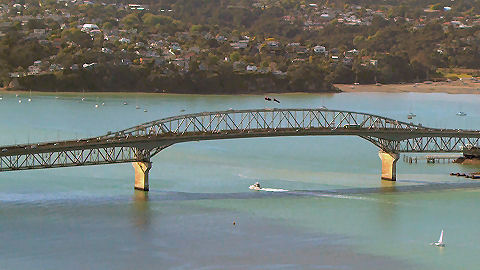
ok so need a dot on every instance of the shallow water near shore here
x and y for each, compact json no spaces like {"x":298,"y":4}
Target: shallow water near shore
{"x":336,"y":214}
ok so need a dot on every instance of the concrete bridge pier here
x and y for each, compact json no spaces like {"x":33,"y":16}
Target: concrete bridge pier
{"x":142,"y":168}
{"x":389,"y":165}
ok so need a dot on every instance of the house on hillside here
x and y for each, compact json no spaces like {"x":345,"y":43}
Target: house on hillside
{"x":320,"y":50}
{"x":241,"y":44}
{"x":88,"y":27}
{"x":251,"y":68}
{"x":39,"y":33}
{"x":124,"y":40}
{"x":351,"y":53}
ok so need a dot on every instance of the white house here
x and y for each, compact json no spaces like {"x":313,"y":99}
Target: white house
{"x":88,"y":27}
{"x":251,"y":68}
{"x":107,"y":50}
{"x":320,"y":50}
{"x":124,"y":40}
{"x":351,"y":53}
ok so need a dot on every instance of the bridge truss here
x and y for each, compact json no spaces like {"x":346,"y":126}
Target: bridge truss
{"x":141,"y":142}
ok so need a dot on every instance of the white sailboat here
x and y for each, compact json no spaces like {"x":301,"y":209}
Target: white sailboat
{"x":440,"y":242}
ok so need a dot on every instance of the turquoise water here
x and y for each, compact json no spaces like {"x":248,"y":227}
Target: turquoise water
{"x":90,"y":217}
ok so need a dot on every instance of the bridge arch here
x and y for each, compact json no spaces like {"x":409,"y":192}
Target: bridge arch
{"x":269,"y":123}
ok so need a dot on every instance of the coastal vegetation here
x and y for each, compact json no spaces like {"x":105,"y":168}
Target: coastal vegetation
{"x":226,"y":46}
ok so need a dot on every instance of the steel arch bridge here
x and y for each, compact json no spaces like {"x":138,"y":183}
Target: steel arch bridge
{"x":139,"y":143}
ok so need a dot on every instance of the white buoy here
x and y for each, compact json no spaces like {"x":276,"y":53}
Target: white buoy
{"x":19,"y":101}
{"x":29,"y":99}
{"x":96,"y":105}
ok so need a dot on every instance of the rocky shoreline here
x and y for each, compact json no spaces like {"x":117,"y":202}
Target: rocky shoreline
{"x":467,"y":161}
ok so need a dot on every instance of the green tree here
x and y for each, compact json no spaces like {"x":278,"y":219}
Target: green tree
{"x":35,"y":24}
{"x":107,"y":26}
{"x":437,"y":6}
{"x":235,"y":56}
{"x":131,"y":20}
{"x":152,"y":20}
{"x":77,"y":36}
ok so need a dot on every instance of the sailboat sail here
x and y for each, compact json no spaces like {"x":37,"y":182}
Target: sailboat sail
{"x":441,"y":238}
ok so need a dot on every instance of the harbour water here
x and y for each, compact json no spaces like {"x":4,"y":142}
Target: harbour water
{"x":336,"y":214}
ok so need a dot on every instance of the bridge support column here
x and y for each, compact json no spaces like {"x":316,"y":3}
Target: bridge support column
{"x":389,"y":165}
{"x":142,"y":168}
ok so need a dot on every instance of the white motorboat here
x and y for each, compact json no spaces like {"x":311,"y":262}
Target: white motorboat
{"x":461,"y":114}
{"x":255,"y":186}
{"x":440,"y":242}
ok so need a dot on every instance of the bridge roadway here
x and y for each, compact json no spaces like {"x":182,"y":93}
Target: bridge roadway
{"x":138,"y":144}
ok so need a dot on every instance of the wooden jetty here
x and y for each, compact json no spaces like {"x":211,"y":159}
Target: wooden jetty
{"x":431,"y":158}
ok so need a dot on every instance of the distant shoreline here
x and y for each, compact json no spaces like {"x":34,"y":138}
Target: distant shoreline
{"x":454,"y":87}
{"x":86,"y":93}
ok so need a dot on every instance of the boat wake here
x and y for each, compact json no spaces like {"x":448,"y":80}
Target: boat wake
{"x":331,"y":195}
{"x":273,"y":189}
